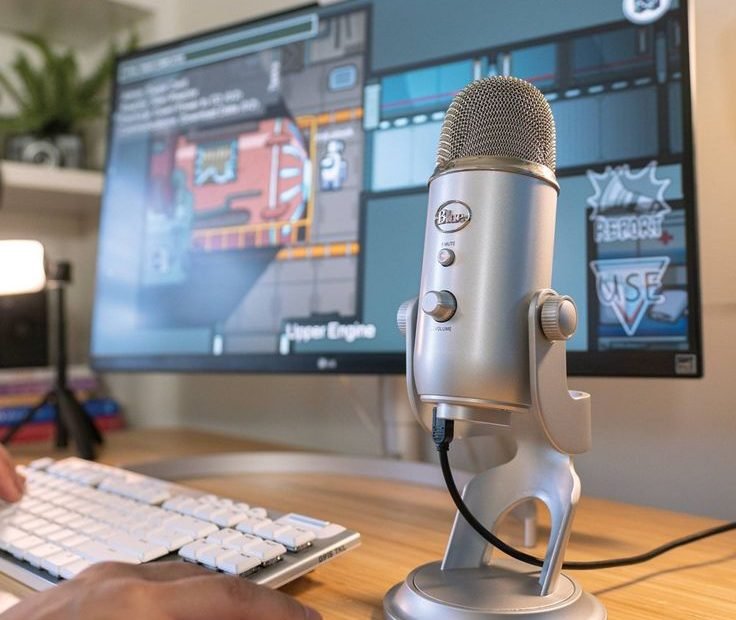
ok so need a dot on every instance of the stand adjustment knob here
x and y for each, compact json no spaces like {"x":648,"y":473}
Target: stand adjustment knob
{"x":440,"y":305}
{"x":402,"y":315}
{"x":559,"y":318}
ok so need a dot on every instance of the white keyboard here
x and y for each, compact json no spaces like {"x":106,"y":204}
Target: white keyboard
{"x":76,"y":513}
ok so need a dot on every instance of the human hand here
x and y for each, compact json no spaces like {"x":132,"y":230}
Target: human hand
{"x":12,"y":484}
{"x":158,"y":591}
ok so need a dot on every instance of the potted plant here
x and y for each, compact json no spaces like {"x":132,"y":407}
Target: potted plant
{"x":53,"y":102}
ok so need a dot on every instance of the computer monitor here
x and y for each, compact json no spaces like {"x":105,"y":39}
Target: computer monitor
{"x":265,"y":194}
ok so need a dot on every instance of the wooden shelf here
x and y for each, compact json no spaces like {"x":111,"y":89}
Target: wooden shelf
{"x":34,"y":188}
{"x":74,"y":22}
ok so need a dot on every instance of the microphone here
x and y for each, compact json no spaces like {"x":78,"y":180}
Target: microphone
{"x":485,"y":346}
{"x":488,"y":248}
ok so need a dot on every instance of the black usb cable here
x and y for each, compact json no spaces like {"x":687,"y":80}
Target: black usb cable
{"x":443,"y":434}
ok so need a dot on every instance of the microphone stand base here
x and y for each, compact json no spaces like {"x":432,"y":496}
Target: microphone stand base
{"x":506,"y":590}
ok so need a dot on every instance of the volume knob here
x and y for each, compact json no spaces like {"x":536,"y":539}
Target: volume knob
{"x":440,"y":305}
{"x":559,"y":318}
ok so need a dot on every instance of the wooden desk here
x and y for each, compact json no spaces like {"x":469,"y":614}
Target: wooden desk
{"x":405,"y":525}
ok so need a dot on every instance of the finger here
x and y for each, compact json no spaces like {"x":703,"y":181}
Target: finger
{"x":20,"y":482}
{"x":170,"y":570}
{"x":9,"y":489}
{"x":6,"y":461}
{"x":228,"y":598}
{"x":155,"y":571}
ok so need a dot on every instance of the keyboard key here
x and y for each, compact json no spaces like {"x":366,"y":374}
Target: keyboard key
{"x":61,"y":534}
{"x":291,"y":537}
{"x":74,"y":541}
{"x":188,"y":506}
{"x":54,"y":563}
{"x":251,"y":524}
{"x":189,"y":552}
{"x":207,"y":554}
{"x":195,"y":527}
{"x":171,"y":540}
{"x":229,"y":517}
{"x":20,"y":545}
{"x":174,"y":502}
{"x":9,"y":534}
{"x":235,"y":563}
{"x":42,"y":463}
{"x":265,"y":550}
{"x":68,"y":571}
{"x":258,"y":513}
{"x":52,"y":514}
{"x":96,"y":551}
{"x":224,"y":537}
{"x":35,"y":555}
{"x":321,"y":529}
{"x":47,"y":529}
{"x":206,"y":511}
{"x":144,"y":551}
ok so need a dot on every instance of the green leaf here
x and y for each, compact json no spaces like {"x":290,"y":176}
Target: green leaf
{"x":93,"y":85}
{"x":10,"y":89}
{"x":32,"y":80}
{"x":53,"y":98}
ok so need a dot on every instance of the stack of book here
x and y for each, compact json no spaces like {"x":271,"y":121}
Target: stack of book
{"x":23,"y":389}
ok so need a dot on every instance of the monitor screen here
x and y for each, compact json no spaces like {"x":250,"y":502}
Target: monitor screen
{"x":266,"y":183}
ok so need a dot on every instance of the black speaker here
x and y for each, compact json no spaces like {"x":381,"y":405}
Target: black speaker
{"x":24,"y":330}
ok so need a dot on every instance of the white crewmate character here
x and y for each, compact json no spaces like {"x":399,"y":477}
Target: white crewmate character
{"x":333,"y":168}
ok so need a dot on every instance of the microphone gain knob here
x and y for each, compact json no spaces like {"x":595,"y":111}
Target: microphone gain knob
{"x":402,"y":316}
{"x":559,"y":318}
{"x":440,"y":305}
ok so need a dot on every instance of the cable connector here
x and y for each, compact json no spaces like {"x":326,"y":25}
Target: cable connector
{"x":443,"y":431}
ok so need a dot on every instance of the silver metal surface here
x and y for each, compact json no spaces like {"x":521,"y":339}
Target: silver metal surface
{"x":502,"y":257}
{"x":536,"y":471}
{"x":563,"y":415}
{"x":503,"y":592}
{"x":467,"y":583}
{"x":498,"y":116}
{"x":500,"y":164}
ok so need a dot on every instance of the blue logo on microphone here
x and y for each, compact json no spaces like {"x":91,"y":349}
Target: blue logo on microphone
{"x":452,"y":216}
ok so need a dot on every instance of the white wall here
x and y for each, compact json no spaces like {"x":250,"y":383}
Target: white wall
{"x":661,"y":442}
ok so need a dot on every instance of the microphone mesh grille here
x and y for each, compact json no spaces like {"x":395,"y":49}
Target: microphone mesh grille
{"x":498,"y":116}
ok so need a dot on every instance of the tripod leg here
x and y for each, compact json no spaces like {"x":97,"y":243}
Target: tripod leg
{"x":75,"y":420}
{"x":62,"y":432}
{"x":27,"y":418}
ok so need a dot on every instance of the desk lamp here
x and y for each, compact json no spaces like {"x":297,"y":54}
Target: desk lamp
{"x":24,"y":269}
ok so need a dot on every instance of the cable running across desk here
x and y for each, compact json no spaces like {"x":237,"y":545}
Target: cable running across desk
{"x":442,"y":433}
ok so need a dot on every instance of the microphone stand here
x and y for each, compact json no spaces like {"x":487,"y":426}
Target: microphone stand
{"x":71,"y":419}
{"x":468,"y":583}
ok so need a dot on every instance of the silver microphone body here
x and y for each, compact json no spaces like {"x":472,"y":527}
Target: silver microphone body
{"x":496,"y":215}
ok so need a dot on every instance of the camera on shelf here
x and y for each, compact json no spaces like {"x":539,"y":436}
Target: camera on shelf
{"x":66,"y":150}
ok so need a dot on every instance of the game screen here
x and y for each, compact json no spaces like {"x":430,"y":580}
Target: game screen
{"x":266,"y":184}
